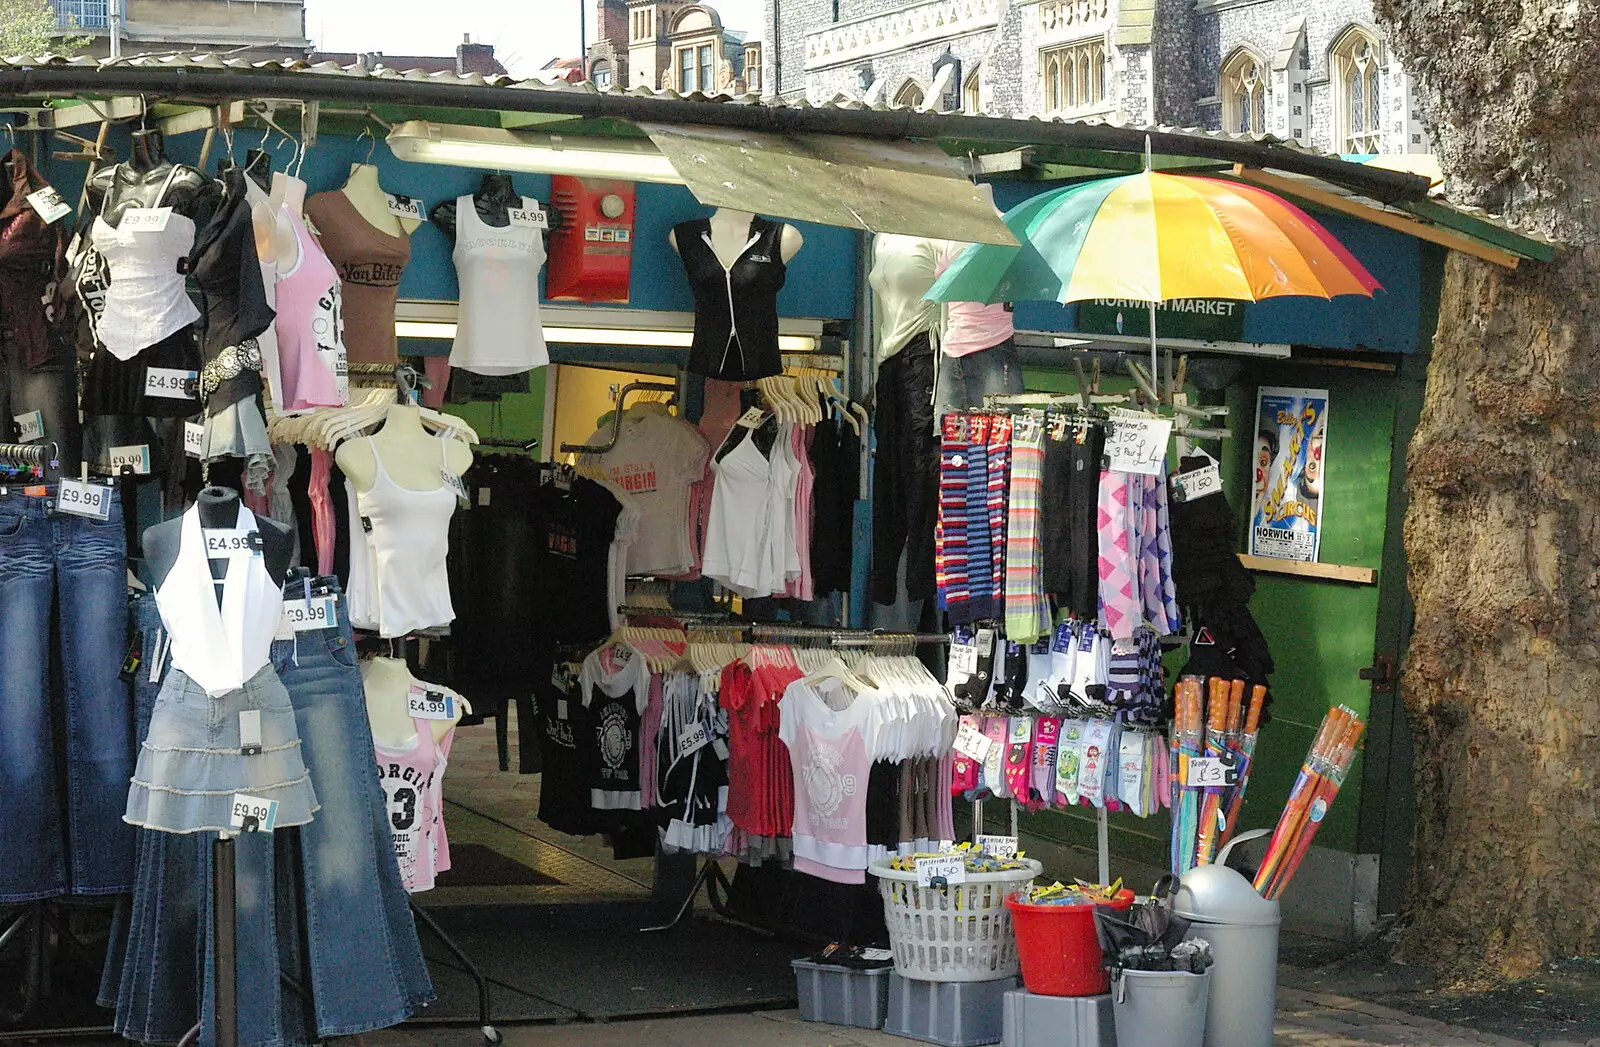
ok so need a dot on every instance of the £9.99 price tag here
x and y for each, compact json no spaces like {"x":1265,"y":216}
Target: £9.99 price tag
{"x":231,"y":543}
{"x":404,"y":206}
{"x":529,"y":217}
{"x":135,"y":458}
{"x":30,"y":427}
{"x":1136,"y":443}
{"x":84,"y":499}
{"x":252,"y":814}
{"x":144,"y":219}
{"x":430,"y":705}
{"x":49,"y":204}
{"x":170,"y":383}
{"x":319,"y":612}
{"x":951,"y":868}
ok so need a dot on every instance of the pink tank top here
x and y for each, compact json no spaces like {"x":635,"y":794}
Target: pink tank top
{"x":413,"y":786}
{"x":310,"y":326}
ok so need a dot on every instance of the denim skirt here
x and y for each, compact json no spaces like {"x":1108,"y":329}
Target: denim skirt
{"x":192,"y":764}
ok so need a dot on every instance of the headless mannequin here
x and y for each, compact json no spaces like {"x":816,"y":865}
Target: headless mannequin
{"x":730,"y":237}
{"x":410,"y":453}
{"x":902,"y":271}
{"x":219,"y":509}
{"x":372,"y":203}
{"x":138,"y":181}
{"x":386,"y":683}
{"x":493,"y":201}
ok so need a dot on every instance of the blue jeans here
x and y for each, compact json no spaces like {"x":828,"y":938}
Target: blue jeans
{"x":964,"y":381}
{"x":63,"y":587}
{"x":323,"y":904}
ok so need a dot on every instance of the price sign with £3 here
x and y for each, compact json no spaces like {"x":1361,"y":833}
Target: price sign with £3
{"x":1137,"y":443}
{"x":1212,"y":771}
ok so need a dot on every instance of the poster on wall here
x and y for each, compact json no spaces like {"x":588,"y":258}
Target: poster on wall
{"x":1290,"y":469}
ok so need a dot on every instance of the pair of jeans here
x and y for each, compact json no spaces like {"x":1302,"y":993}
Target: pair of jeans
{"x":63,"y":633}
{"x":322,"y":904}
{"x":964,"y":381}
{"x":905,"y":479}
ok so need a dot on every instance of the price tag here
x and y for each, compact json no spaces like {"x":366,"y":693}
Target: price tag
{"x":754,"y":418}
{"x":530,"y":217}
{"x":252,"y":814}
{"x":1213,"y":771}
{"x":1207,"y":479}
{"x":404,"y":206}
{"x":302,"y":616}
{"x":999,"y":846}
{"x":972,"y":742}
{"x":720,"y":747}
{"x":194,"y":435}
{"x":452,"y":481}
{"x":692,"y":739}
{"x":951,"y":868}
{"x":964,"y":658}
{"x":232,"y":543}
{"x":144,"y":219}
{"x":985,"y":642}
{"x":1137,"y":443}
{"x":171,"y":383}
{"x":134,"y":458}
{"x":430,"y":705}
{"x":49,"y":204}
{"x":483,"y":497}
{"x":82,"y":499}
{"x":250,"y":732}
{"x":876,"y":955}
{"x":30,"y":427}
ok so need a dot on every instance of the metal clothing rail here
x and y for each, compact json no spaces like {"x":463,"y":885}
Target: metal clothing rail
{"x":616,"y":417}
{"x":841,"y":637}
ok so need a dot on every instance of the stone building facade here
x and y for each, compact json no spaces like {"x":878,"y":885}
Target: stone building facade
{"x":674,"y":44}
{"x":262,"y":28}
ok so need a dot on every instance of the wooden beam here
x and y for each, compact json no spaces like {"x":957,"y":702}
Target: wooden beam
{"x":1356,"y":209}
{"x":203,"y":119}
{"x":1330,"y":572}
{"x":122,"y":108}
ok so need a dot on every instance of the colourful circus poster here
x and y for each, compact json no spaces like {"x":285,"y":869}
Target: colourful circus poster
{"x":1290,"y":469}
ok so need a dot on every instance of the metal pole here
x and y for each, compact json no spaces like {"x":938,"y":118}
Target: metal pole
{"x":583,"y":39}
{"x":1104,"y":841}
{"x":224,"y":905}
{"x":115,"y":25}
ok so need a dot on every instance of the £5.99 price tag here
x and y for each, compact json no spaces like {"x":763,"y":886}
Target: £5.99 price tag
{"x":1136,"y":443}
{"x":999,"y":846}
{"x":754,"y":418}
{"x":30,"y":427}
{"x":252,"y":814}
{"x":404,"y":206}
{"x":232,"y":543}
{"x":194,"y":435}
{"x":319,"y":612}
{"x":170,"y":383}
{"x":84,"y":499}
{"x":49,"y":204}
{"x":951,"y":868}
{"x":692,"y":739}
{"x":144,"y":219}
{"x":135,"y":458}
{"x":430,"y":705}
{"x":529,"y":217}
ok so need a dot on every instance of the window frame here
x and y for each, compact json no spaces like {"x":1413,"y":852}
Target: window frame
{"x":1074,"y":76}
{"x":1356,"y":72}
{"x":1242,"y":103}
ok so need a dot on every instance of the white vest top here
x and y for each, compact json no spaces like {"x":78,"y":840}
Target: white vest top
{"x":497,"y":324}
{"x":146,"y":300}
{"x":219,"y":649}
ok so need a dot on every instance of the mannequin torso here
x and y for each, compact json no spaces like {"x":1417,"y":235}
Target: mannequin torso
{"x":386,"y":683}
{"x":219,"y":508}
{"x":410,"y":453}
{"x":730,"y":236}
{"x":139,"y":182}
{"x":493,"y":202}
{"x":288,"y":193}
{"x":372,"y":203}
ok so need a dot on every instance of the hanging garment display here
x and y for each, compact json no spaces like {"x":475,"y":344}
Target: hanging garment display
{"x":370,"y":261}
{"x":413,"y":753}
{"x":574,"y":521}
{"x":735,"y":298}
{"x":980,"y":355}
{"x":655,"y":460}
{"x":31,"y":250}
{"x":264,"y":221}
{"x":310,"y":327}
{"x":615,"y":688}
{"x":498,"y":331}
{"x":905,"y":476}
{"x":750,"y":539}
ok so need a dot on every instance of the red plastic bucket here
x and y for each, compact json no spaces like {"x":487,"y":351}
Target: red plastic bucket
{"x":1059,"y":948}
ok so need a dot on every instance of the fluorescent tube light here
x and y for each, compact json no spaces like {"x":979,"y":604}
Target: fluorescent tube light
{"x":439,"y":329}
{"x":493,"y":148}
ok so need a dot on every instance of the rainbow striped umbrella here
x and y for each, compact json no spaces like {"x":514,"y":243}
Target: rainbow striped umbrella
{"x":1154,"y":237}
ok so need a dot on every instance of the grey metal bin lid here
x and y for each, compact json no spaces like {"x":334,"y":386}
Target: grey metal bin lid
{"x":1218,"y":894}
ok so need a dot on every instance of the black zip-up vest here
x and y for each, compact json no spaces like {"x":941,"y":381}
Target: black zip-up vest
{"x":735,"y":310}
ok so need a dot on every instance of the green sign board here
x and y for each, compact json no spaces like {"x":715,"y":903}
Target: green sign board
{"x":1205,"y":319}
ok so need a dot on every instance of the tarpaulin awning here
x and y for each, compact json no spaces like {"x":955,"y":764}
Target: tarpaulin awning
{"x":907,"y":187}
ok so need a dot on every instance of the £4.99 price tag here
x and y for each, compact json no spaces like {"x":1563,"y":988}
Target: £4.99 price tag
{"x":404,"y":206}
{"x":951,"y":868}
{"x":529,"y":217}
{"x":305,"y":615}
{"x":49,"y":204}
{"x":1137,"y":443}
{"x":170,"y":383}
{"x":30,"y":427}
{"x":252,"y":814}
{"x":84,"y":499}
{"x":430,"y":705}
{"x":135,"y":458}
{"x":144,"y":219}
{"x":232,"y":543}
{"x":999,"y":846}
{"x":194,"y":435}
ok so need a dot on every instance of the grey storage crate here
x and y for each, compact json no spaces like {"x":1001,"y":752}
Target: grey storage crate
{"x":1058,"y":1021}
{"x":952,"y":1014}
{"x":841,"y":995}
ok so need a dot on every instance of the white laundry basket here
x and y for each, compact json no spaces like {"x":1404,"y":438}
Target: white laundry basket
{"x":960,"y":933}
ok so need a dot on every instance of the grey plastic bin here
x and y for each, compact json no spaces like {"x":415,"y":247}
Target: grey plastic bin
{"x":842,"y":995}
{"x":1160,"y":1008}
{"x":952,"y":1014}
{"x":1242,"y":928}
{"x":1058,"y":1021}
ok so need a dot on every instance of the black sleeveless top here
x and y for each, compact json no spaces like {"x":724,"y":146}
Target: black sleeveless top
{"x":735,"y":310}
{"x":227,"y":270}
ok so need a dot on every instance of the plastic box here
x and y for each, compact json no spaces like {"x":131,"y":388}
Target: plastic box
{"x":1032,"y":1020}
{"x":842,"y":995}
{"x":952,"y":1014}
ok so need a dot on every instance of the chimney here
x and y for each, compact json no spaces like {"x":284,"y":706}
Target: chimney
{"x":474,"y":58}
{"x":612,"y":18}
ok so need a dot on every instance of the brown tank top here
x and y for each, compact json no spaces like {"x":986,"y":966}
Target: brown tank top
{"x":370,"y":262}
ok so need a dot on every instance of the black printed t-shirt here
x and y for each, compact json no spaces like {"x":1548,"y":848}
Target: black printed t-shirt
{"x":572,"y":534}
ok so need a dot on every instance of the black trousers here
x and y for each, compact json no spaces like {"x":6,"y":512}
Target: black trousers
{"x":905,"y":483}
{"x":1068,"y":537}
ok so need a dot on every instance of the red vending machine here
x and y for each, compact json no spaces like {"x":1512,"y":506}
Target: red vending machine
{"x":591,"y":254}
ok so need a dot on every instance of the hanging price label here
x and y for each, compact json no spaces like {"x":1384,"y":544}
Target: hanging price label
{"x":951,"y":868}
{"x":452,"y":481}
{"x":985,"y":642}
{"x":1214,"y":771}
{"x":430,"y":705}
{"x":171,"y":383}
{"x":194,"y":436}
{"x":84,"y":499}
{"x":529,"y":217}
{"x":30,"y":427}
{"x":232,"y":543}
{"x":1137,"y":443}
{"x":144,"y":219}
{"x":252,"y":814}
{"x":319,"y":612}
{"x":972,"y":742}
{"x":404,"y":206}
{"x":1198,"y":483}
{"x":134,"y":458}
{"x":999,"y":846}
{"x":964,"y":658}
{"x":754,"y":418}
{"x":49,"y":204}
{"x":694,"y":738}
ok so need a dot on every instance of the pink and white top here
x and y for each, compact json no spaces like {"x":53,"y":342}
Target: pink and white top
{"x":971,"y":327}
{"x":413,"y":786}
{"x":310,"y":326}
{"x":830,"y":754}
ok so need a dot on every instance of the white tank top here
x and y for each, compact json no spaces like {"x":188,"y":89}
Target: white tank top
{"x":740,"y":513}
{"x":398,"y":543}
{"x":146,"y":300}
{"x":219,"y":649}
{"x":497,"y":325}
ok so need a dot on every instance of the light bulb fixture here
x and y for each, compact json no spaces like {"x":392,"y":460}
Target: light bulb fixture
{"x":494,"y":148}
{"x":624,"y":336}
